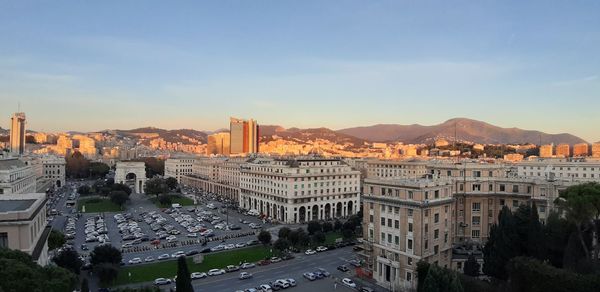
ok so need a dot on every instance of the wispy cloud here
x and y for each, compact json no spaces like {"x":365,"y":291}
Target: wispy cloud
{"x":577,"y":81}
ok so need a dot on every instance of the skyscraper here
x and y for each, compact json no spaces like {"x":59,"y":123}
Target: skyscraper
{"x":244,"y":136}
{"x":17,"y":133}
{"x":218,"y":144}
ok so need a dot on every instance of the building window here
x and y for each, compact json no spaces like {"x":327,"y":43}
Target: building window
{"x":410,"y":212}
{"x":408,"y":276}
{"x":3,"y":239}
{"x":397,"y":240}
{"x":410,"y":227}
{"x":515,"y":203}
{"x":476,"y":207}
{"x":502,"y":188}
{"x":475,"y":233}
{"x":371,"y":218}
{"x":409,"y":244}
{"x":515,"y":189}
{"x":476,"y":220}
{"x":436,"y":234}
{"x":436,"y":218}
{"x":382,"y":221}
{"x":397,"y":224}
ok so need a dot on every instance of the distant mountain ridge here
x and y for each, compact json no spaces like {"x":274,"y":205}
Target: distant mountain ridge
{"x":268,"y":133}
{"x":172,"y":136}
{"x":466,"y":130}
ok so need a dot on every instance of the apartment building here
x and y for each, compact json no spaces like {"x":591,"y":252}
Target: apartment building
{"x":23,"y":224}
{"x":405,"y":221}
{"x":300,"y":190}
{"x":552,"y":169}
{"x":54,"y":170}
{"x":396,"y":168}
{"x":220,"y":176}
{"x":178,"y":167}
{"x":16,"y":177}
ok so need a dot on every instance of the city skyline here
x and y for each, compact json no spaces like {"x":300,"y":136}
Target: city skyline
{"x":337,"y":65}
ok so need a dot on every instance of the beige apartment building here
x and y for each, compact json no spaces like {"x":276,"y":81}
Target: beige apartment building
{"x":563,"y":150}
{"x":560,"y":169}
{"x":596,"y":150}
{"x":405,"y":221}
{"x":301,"y":189}
{"x":23,"y":224}
{"x":16,"y":177}
{"x":216,"y":175}
{"x":581,"y":150}
{"x":396,"y":168}
{"x":179,"y":167}
{"x":218,"y":144}
{"x":547,"y":151}
{"x":54,"y":170}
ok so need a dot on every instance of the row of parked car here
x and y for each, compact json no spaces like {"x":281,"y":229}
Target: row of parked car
{"x":96,"y":230}
{"x":272,"y":286}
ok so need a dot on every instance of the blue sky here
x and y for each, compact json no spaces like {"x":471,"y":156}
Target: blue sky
{"x":92,"y":65}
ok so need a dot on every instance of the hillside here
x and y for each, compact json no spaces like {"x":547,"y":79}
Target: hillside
{"x":173,"y":136}
{"x":466,"y":130}
{"x":268,"y":133}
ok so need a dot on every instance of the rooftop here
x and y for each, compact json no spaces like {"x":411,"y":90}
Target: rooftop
{"x":15,"y":205}
{"x":11,"y":163}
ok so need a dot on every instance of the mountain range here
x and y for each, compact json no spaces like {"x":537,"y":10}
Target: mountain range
{"x":461,"y":128}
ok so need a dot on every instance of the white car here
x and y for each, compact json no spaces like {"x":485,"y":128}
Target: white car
{"x":164,"y":256}
{"x":265,"y":288}
{"x":283,"y":283}
{"x":309,"y":252}
{"x":240,"y":245}
{"x":216,"y":272}
{"x":245,"y":275}
{"x":247,"y":266}
{"x":135,"y":261}
{"x":192,"y":235}
{"x":349,"y":283}
{"x":321,"y":248}
{"x":198,"y":275}
{"x":291,"y":281}
{"x":162,"y":281}
{"x":149,"y":259}
{"x":178,"y":254}
{"x":229,"y":246}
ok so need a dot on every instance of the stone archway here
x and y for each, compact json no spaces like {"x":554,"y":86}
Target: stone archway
{"x":302,"y":214}
{"x":338,"y":210}
{"x":315,"y":212}
{"x":282,"y":214}
{"x":132,"y":173}
{"x":58,"y":183}
{"x":350,"y":208}
{"x":327,"y":211}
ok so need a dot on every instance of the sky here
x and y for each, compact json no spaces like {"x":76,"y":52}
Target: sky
{"x":94,"y":65}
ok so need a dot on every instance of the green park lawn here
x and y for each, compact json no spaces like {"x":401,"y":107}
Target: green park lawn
{"x":97,"y":205}
{"x":168,"y":269}
{"x":330,"y":237}
{"x":179,"y":199}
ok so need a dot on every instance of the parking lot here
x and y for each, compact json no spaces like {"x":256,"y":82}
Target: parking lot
{"x":146,"y":233}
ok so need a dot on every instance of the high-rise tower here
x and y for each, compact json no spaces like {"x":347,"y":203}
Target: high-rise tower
{"x":244,"y":136}
{"x":17,"y":133}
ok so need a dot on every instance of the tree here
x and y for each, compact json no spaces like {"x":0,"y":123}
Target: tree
{"x":106,"y":272}
{"x":327,"y":227}
{"x":440,"y":279}
{"x":56,"y":239}
{"x":164,"y":200}
{"x":156,"y":186}
{"x":68,"y":259}
{"x":171,"y":183}
{"x":98,"y":169}
{"x":556,"y":234}
{"x":183,"y":282}
{"x":85,"y":287}
{"x":154,"y":166}
{"x":500,"y":247}
{"x":119,"y":187}
{"x":337,"y":225}
{"x":84,"y":190}
{"x":19,"y":272}
{"x":535,"y":241}
{"x":119,"y":197}
{"x":105,"y":254}
{"x":318,"y":237}
{"x":581,"y":205}
{"x":313,"y":226}
{"x":347,"y":234}
{"x":264,"y":237}
{"x":77,"y":166}
{"x":281,"y":244}
{"x":284,"y":232}
{"x":471,"y":267}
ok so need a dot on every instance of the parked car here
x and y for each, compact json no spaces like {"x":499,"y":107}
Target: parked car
{"x":263,"y":262}
{"x":291,"y":281}
{"x":164,"y":256}
{"x":321,"y":248}
{"x":324,"y":272}
{"x":149,"y":259}
{"x":198,"y":275}
{"x":191,"y":253}
{"x":348,"y":282}
{"x":247,"y":266}
{"x":232,"y":268}
{"x":135,"y":261}
{"x":343,"y":268}
{"x":162,"y":281}
{"x":275,"y":259}
{"x":310,"y":276}
{"x":178,"y":254}
{"x":310,"y":252}
{"x":216,"y":272}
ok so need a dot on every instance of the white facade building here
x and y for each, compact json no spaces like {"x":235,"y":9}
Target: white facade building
{"x":178,"y":167}
{"x":300,"y":190}
{"x":16,"y":177}
{"x":54,"y":170}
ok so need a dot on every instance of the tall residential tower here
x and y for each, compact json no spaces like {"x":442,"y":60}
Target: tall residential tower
{"x":243,"y":136}
{"x":17,"y":133}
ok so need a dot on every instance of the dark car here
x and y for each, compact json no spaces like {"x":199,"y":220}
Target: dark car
{"x":319,"y":275}
{"x":234,"y":227}
{"x":205,"y":250}
{"x":263,"y":262}
{"x":343,"y":268}
{"x":191,"y":253}
{"x":287,"y":256}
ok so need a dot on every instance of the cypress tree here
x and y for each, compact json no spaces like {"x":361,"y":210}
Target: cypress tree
{"x":184,"y":282}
